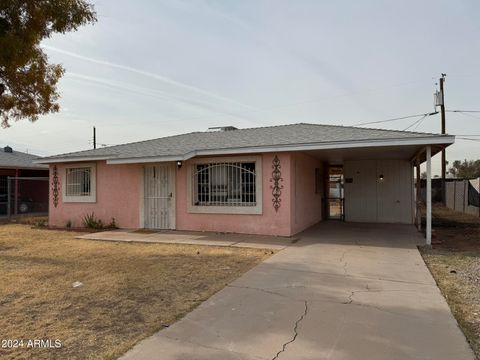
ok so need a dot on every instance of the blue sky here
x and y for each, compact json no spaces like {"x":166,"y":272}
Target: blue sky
{"x":148,"y":69}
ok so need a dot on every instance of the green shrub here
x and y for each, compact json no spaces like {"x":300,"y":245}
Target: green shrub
{"x":91,"y":222}
{"x":68,"y":225}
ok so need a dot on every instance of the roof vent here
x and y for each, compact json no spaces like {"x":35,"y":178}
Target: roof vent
{"x":8,"y":149}
{"x":223,"y":128}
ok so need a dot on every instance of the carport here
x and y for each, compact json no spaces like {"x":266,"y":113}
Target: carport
{"x":378,"y":184}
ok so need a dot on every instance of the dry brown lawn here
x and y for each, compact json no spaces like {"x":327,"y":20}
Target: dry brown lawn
{"x":130,"y":290}
{"x":455,"y":265}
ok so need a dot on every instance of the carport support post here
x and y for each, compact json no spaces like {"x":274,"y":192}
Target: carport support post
{"x":418,"y":215}
{"x":428,"y":236}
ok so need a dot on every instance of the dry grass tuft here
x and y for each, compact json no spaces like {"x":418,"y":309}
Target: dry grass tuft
{"x":130,"y":290}
{"x":457,"y":275}
{"x":455,"y":265}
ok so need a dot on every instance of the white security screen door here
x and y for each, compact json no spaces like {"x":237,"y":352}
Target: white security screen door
{"x":159,"y":201}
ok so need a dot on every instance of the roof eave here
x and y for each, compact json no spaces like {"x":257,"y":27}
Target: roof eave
{"x":56,"y":160}
{"x":21,"y":167}
{"x":445,"y":140}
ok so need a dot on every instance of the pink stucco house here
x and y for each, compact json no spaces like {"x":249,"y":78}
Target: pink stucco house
{"x":274,"y":180}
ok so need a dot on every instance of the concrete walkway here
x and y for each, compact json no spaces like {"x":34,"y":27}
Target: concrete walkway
{"x":344,"y":291}
{"x":193,"y":238}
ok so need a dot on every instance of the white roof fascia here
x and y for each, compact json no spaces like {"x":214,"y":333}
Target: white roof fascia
{"x":47,"y":160}
{"x":430,"y":140}
{"x":40,"y":168}
{"x":152,"y":159}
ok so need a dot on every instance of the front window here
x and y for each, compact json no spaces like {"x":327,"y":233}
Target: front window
{"x":224,"y":184}
{"x":78,"y":181}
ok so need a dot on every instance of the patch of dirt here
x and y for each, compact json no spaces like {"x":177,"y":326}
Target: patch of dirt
{"x":457,"y":239}
{"x":129,"y":290}
{"x":455,"y":265}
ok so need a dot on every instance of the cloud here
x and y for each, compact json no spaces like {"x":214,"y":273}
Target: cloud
{"x":158,"y":77}
{"x":156,"y":94}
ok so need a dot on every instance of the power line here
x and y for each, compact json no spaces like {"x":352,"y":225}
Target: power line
{"x":419,"y":123}
{"x":468,"y":114}
{"x":465,"y":138}
{"x":463,"y":111}
{"x":398,"y":118}
{"x":416,"y":122}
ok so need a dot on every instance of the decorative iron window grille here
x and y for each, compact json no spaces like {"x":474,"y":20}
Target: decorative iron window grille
{"x":78,"y":182}
{"x":224,"y":184}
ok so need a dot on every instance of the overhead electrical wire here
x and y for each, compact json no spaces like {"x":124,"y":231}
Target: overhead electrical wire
{"x":396,"y":119}
{"x":468,"y":114}
{"x":416,"y":122}
{"x":465,"y":138}
{"x":419,"y":123}
{"x":463,"y":111}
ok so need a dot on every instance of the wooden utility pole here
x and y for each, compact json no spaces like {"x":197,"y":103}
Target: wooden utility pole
{"x":94,"y":138}
{"x":442,"y":113}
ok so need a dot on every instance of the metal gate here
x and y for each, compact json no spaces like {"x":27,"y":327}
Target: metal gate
{"x":159,"y":200}
{"x":336,"y":210}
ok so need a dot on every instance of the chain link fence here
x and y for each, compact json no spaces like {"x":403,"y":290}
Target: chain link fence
{"x":23,"y":196}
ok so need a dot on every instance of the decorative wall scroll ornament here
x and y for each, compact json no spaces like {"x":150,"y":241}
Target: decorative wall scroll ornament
{"x":55,"y":186}
{"x":276,"y":179}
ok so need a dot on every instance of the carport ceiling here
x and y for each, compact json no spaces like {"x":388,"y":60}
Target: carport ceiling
{"x":338,"y":156}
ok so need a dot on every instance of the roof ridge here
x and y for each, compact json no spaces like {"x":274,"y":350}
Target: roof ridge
{"x":332,"y":125}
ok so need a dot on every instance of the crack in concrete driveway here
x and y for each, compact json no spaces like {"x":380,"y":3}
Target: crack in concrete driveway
{"x":295,"y":332}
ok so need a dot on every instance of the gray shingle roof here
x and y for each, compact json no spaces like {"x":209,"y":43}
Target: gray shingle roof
{"x":18,"y":159}
{"x":179,"y":145}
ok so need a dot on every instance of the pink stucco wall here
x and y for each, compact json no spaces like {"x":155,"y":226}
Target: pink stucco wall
{"x":118,"y":196}
{"x":307,"y":205}
{"x":269,"y":222}
{"x":119,"y":190}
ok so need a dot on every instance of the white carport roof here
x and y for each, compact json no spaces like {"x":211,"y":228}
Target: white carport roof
{"x":294,"y":137}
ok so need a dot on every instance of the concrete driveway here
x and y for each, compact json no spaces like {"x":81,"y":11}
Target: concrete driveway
{"x":344,"y":291}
